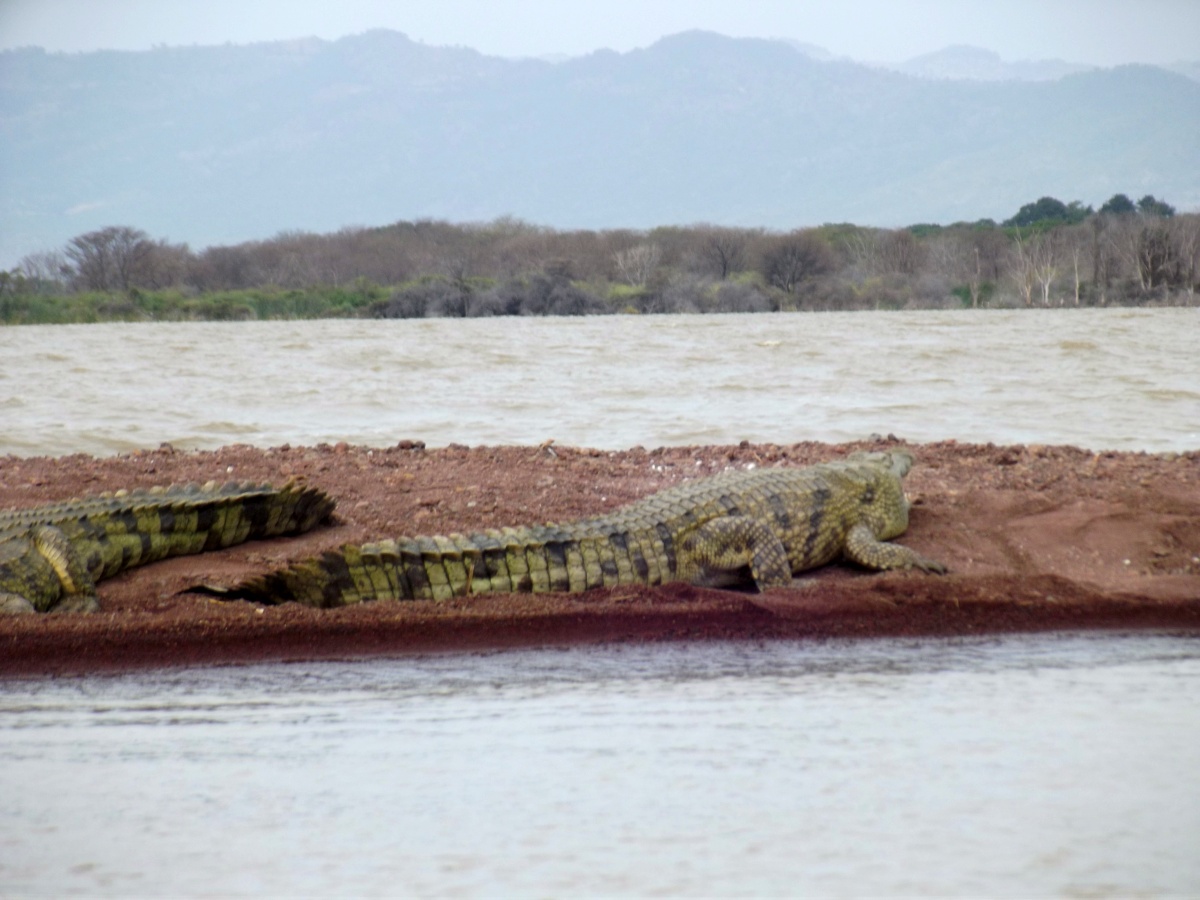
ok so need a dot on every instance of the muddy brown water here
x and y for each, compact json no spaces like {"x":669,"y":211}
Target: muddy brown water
{"x":1109,"y":379}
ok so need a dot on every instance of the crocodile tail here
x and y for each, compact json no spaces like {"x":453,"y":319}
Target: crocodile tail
{"x":437,"y":567}
{"x":510,"y":560}
{"x":246,"y":512}
{"x":351,"y":574}
{"x":153,"y":525}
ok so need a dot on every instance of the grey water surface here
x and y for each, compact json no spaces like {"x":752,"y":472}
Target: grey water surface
{"x":1053,"y":765}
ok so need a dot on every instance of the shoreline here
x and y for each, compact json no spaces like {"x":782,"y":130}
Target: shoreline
{"x":54,"y":310}
{"x":1036,"y":538}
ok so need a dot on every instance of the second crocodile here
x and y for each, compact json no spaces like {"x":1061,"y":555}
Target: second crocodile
{"x":51,"y":556}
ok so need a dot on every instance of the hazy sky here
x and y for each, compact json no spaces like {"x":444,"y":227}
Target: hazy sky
{"x":1103,"y":32}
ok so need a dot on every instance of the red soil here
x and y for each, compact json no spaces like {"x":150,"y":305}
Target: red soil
{"x":1036,"y":538}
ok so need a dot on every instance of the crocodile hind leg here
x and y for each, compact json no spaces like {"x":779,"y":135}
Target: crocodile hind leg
{"x":77,"y":588}
{"x":83,"y":603}
{"x":864,"y":548}
{"x":14,"y":604}
{"x":713,"y":553}
{"x":38,"y":569}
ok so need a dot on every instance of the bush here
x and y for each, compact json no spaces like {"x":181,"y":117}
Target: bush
{"x":538,"y":295}
{"x":424,"y":299}
{"x":741,"y":297}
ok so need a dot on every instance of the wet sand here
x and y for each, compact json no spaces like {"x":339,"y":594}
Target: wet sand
{"x":1036,"y":538}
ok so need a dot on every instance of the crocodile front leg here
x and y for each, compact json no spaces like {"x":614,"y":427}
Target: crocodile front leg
{"x":864,"y":548}
{"x":714,"y":552}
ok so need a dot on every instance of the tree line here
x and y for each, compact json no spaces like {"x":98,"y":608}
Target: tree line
{"x":1049,"y":253}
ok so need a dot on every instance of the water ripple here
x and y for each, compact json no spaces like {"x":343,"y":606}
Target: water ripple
{"x":1103,"y":379}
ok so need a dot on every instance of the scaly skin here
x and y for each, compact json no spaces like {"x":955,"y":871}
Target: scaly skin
{"x":52,"y":556}
{"x":774,"y":522}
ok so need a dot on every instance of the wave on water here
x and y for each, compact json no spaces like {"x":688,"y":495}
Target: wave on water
{"x":1043,"y":376}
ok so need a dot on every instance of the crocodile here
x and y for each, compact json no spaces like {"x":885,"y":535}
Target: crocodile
{"x":51,"y":556}
{"x":764,"y":523}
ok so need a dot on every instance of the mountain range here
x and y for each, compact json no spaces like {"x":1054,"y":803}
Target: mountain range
{"x":228,"y":143}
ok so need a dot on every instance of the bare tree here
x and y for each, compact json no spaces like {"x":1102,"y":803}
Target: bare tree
{"x":1035,"y":264}
{"x":1185,"y":233}
{"x":1124,"y":237}
{"x":975,"y":278}
{"x":1103,"y":259}
{"x":958,"y":255}
{"x":860,"y":251}
{"x":1076,"y":252}
{"x":899,"y":252}
{"x":638,"y":263}
{"x":224,"y":268}
{"x":1157,"y":262}
{"x":1075,"y":245}
{"x":463,"y":253}
{"x":724,"y":249}
{"x":884,"y":252}
{"x":45,"y":270}
{"x":789,"y":259}
{"x":109,"y":259}
{"x":519,"y":247}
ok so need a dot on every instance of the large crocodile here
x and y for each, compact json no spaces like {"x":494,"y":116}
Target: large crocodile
{"x":52,"y":556}
{"x":767,"y":523}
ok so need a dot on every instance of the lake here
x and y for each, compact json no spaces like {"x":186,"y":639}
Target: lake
{"x":1039,"y":765}
{"x":1119,"y":379}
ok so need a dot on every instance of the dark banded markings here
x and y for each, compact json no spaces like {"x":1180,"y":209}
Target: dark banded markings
{"x":816,"y":518}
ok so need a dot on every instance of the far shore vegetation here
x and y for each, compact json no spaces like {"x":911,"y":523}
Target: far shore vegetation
{"x":1049,"y":254}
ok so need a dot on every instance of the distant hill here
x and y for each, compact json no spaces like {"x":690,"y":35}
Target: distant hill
{"x":223,"y":144}
{"x":976,"y":63}
{"x":1189,"y":69}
